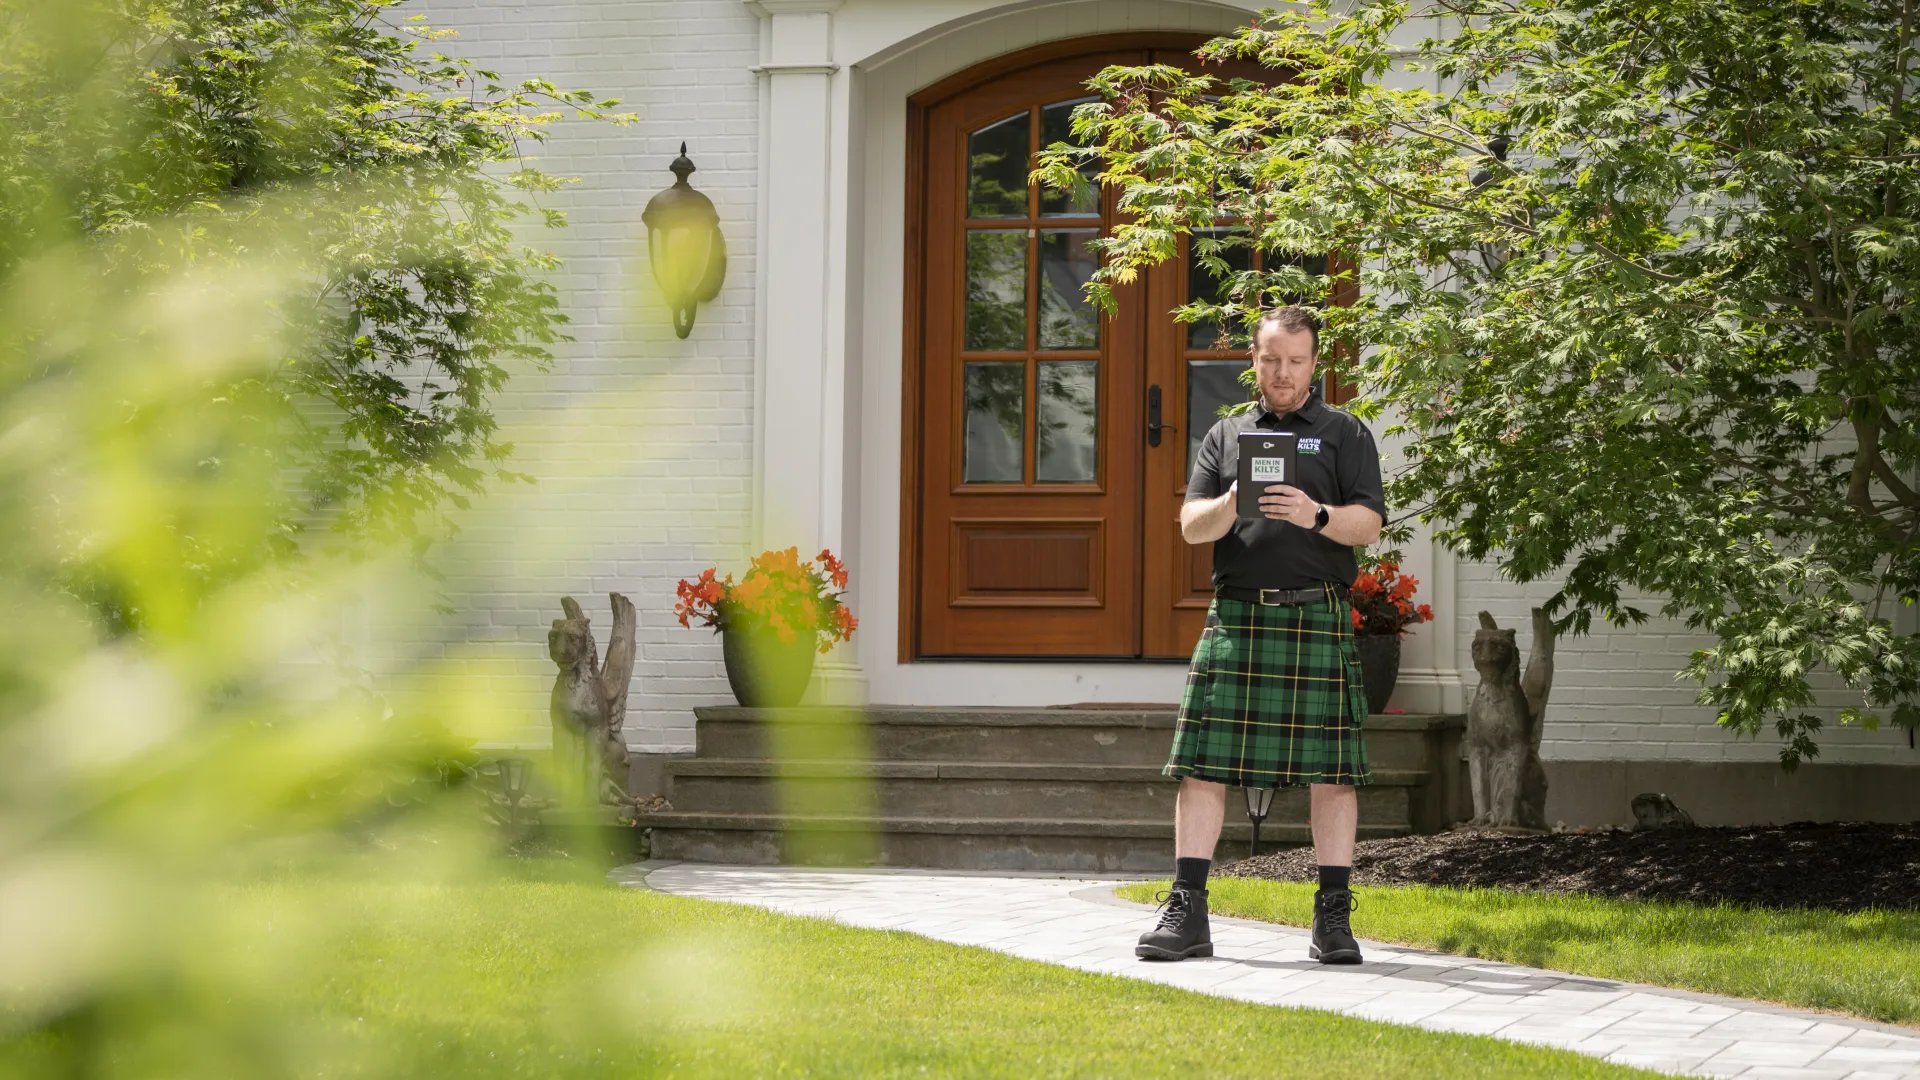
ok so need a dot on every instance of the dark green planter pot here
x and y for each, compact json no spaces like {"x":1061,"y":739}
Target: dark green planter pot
{"x":765,"y":672}
{"x":1379,"y":667}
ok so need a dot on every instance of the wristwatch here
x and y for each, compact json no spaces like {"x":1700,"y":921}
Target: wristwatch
{"x":1320,"y":518}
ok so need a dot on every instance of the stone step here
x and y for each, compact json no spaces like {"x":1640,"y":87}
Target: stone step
{"x":981,"y":790}
{"x":959,"y":843}
{"x":1066,"y":736}
{"x":1057,"y":789}
{"x":952,"y":734}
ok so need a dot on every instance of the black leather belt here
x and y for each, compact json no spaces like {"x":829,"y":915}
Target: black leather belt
{"x":1280,"y":597}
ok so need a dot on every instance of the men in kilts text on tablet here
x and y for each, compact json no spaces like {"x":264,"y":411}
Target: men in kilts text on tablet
{"x":1274,"y":696}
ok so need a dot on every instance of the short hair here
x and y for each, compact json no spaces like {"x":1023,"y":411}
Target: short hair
{"x":1293,"y":318}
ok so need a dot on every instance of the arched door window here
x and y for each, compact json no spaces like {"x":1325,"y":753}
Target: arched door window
{"x":1031,"y":341}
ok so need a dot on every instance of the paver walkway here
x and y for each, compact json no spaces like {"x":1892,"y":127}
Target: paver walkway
{"x":1080,"y":924}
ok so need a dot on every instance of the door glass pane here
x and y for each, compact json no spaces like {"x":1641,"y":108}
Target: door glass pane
{"x":1056,"y":126}
{"x":997,"y":290}
{"x":997,"y":169}
{"x":1210,"y":385}
{"x":996,"y":423}
{"x":1067,"y":319}
{"x":1067,"y":421}
{"x":1203,"y":284}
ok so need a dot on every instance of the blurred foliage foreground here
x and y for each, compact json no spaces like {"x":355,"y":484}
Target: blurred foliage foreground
{"x":547,"y":973}
{"x":257,"y":281}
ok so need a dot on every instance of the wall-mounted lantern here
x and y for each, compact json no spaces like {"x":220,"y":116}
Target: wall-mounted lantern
{"x":685,"y":245}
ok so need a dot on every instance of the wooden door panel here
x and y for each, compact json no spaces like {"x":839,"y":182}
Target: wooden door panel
{"x":1011,"y":548}
{"x":1199,"y":576}
{"x":1177,"y":584}
{"x":1173,"y":620}
{"x":1036,"y":564}
{"x":1030,"y":497}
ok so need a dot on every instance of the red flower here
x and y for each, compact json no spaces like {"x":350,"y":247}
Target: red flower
{"x":836,"y":569}
{"x":1383,"y":601}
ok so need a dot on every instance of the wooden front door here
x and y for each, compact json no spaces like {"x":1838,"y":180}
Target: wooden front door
{"x":1048,"y":444}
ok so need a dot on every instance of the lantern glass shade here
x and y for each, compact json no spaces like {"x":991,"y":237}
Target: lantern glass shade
{"x":685,"y":246}
{"x":679,"y":252}
{"x":1259,"y":801}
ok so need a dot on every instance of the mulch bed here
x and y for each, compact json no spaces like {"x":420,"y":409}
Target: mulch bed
{"x":1843,"y":866}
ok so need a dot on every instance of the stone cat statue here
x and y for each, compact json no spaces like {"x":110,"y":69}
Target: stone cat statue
{"x":589,"y":703}
{"x":1504,"y":724}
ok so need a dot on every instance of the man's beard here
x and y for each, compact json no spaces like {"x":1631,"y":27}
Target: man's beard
{"x":1280,"y":405}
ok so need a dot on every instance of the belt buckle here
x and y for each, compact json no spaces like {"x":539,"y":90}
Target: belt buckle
{"x":1264,"y":602}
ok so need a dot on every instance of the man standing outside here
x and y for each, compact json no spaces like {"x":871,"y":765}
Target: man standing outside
{"x":1274,"y":696}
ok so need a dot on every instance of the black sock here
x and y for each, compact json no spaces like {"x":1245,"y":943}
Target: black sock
{"x":1191,"y":873}
{"x":1333,"y":878}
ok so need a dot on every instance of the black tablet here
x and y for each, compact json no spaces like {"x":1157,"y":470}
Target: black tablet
{"x":1266,"y":457}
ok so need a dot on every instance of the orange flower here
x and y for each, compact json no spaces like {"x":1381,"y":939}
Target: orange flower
{"x":779,"y":562}
{"x":747,"y":595}
{"x":779,"y":591}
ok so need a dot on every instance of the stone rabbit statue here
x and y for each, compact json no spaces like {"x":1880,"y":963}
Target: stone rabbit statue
{"x":589,"y":704}
{"x":1504,"y":723}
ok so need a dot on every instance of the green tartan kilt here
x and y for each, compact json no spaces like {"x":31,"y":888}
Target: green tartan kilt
{"x":1274,"y":698}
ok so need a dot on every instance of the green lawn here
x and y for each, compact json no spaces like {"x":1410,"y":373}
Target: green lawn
{"x":566,"y":978}
{"x":1866,"y":964}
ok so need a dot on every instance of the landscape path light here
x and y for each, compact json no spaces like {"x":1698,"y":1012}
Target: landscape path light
{"x":513,"y":786}
{"x":1259,"y":801}
{"x":685,"y":245}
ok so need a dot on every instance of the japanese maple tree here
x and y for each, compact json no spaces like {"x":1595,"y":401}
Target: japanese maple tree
{"x":1636,"y":278}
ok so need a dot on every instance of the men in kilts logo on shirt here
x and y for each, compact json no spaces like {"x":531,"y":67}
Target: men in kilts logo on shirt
{"x":1274,"y":696}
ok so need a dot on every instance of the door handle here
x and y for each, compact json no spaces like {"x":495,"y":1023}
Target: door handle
{"x":1154,"y":426}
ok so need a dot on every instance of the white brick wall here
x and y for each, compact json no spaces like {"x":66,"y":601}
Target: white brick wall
{"x":1615,"y":695}
{"x":642,"y":443}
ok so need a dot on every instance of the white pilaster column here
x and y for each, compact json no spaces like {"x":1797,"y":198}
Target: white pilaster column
{"x":800,"y":415}
{"x":1446,"y":630}
{"x":1429,"y":680}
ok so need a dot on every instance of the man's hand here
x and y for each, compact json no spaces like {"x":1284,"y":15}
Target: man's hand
{"x":1202,"y":521}
{"x":1284,"y":502}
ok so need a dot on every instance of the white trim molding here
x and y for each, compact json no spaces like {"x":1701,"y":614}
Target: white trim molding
{"x":794,"y":69}
{"x":767,"y":9}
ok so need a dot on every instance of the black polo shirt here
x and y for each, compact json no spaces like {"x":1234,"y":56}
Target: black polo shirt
{"x":1339,"y":466}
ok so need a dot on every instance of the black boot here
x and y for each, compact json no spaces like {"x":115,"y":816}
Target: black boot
{"x":1183,"y":927}
{"x":1332,"y":931}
